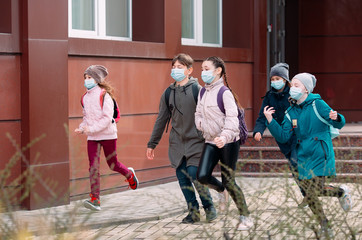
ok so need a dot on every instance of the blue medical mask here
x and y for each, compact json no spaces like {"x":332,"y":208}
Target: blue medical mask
{"x":295,"y":93}
{"x":207,"y":76}
{"x":178,"y":74}
{"x":89,"y":83}
{"x":279,"y":84}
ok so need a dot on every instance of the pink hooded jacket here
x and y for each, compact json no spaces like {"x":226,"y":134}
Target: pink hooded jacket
{"x":211,"y":121}
{"x":98,"y":120}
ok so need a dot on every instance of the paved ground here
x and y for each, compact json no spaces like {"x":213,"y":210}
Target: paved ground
{"x":155,"y":213}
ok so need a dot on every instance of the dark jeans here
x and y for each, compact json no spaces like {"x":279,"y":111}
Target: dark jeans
{"x":315,"y":188}
{"x":186,"y":175}
{"x":228,"y":156}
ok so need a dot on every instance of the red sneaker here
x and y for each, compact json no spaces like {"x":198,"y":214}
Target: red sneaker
{"x":93,"y":203}
{"x":132,"y":180}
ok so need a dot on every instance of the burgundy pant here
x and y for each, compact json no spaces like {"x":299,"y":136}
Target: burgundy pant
{"x":94,"y":151}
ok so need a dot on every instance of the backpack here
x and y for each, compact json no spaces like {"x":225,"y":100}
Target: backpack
{"x":241,"y":114}
{"x":332,"y":130}
{"x":116,"y":113}
{"x":195,"y":93}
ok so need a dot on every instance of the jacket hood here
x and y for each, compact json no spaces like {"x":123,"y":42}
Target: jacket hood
{"x":191,"y":81}
{"x":311,"y":97}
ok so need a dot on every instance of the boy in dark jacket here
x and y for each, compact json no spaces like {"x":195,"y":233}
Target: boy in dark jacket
{"x":278,"y":98}
{"x":178,"y":102}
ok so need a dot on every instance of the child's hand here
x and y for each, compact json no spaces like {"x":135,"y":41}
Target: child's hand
{"x":78,"y":131}
{"x":220,"y":142}
{"x":85,"y":129}
{"x":150,"y":153}
{"x":268,"y":111}
{"x":333,"y":115}
{"x":257,"y":136}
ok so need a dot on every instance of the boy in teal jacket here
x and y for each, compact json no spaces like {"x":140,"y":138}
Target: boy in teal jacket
{"x":314,"y":145}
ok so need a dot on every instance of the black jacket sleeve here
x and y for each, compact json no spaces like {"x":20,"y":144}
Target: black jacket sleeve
{"x":260,"y":122}
{"x":160,"y":124}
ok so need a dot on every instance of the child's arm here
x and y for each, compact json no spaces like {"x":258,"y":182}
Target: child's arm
{"x":281,"y":133}
{"x":160,"y":124}
{"x":327,"y":113}
{"x":198,"y":115}
{"x":231,"y":126}
{"x":260,"y":124}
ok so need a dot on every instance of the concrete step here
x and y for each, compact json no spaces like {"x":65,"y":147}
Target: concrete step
{"x":346,"y":140}
{"x":341,"y":177}
{"x":281,"y":165}
{"x":347,"y":153}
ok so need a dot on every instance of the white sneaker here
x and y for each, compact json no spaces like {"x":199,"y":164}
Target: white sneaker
{"x":223,"y":200}
{"x":245,"y":223}
{"x":325,"y":234}
{"x":345,"y":200}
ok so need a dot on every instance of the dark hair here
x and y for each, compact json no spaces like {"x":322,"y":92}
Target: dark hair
{"x":218,"y":62}
{"x":184,"y":59}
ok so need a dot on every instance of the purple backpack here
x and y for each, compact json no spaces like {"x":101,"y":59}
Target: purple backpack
{"x":241,"y":114}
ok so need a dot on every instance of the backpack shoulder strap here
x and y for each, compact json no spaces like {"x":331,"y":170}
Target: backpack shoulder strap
{"x":81,"y":100}
{"x":220,"y":101}
{"x":101,"y":97}
{"x":202,"y":92}
{"x":195,"y":91}
{"x":167,"y":97}
{"x":288,"y":116}
{"x":317,"y":114}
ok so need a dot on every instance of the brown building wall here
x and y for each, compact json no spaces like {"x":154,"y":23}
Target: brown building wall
{"x":330,"y":47}
{"x":41,"y":81}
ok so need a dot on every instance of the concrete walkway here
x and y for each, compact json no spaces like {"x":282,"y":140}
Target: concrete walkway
{"x":156,"y":212}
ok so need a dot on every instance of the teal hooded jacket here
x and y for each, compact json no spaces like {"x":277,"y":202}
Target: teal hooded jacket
{"x":314,"y":143}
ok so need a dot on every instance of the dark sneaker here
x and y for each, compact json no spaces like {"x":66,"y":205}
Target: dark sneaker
{"x":192,"y":217}
{"x":210,"y":213}
{"x":132,"y":180}
{"x":92,"y":204}
{"x":304,"y":203}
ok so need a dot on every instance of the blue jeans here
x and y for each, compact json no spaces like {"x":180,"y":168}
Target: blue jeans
{"x":186,"y":175}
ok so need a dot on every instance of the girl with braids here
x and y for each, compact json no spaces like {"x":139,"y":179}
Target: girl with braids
{"x":98,"y":124}
{"x":221,"y":133}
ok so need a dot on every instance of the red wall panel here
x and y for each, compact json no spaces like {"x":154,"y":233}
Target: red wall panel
{"x":330,"y":17}
{"x":9,"y":87}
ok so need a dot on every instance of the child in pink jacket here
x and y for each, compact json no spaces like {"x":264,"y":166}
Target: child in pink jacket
{"x":98,"y":124}
{"x":221,"y":133}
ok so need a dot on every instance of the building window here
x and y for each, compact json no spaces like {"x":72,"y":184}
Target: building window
{"x":201,"y":22}
{"x":100,"y":19}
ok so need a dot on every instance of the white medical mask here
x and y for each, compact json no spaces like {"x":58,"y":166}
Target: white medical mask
{"x":279,"y":84}
{"x":295,"y":93}
{"x":207,"y":76}
{"x":178,"y":74}
{"x":89,"y":83}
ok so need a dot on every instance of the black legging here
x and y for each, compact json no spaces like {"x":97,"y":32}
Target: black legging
{"x":228,"y":156}
{"x":315,"y":188}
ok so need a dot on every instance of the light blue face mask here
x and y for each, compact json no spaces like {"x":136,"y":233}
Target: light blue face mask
{"x":89,"y":83}
{"x":295,"y":93}
{"x":178,"y":74}
{"x":279,"y":84}
{"x":207,"y":76}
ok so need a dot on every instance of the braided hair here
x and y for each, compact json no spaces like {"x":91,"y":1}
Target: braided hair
{"x":218,"y":62}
